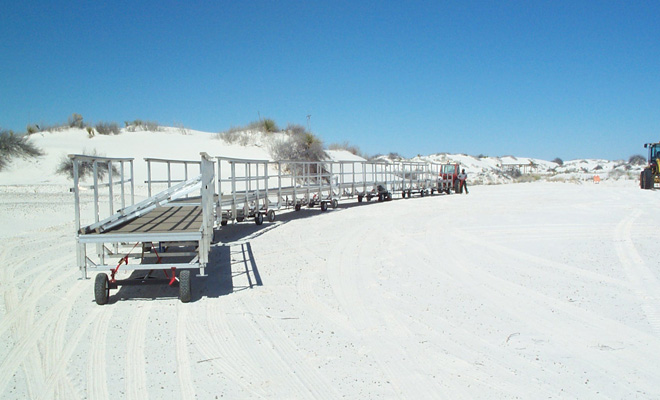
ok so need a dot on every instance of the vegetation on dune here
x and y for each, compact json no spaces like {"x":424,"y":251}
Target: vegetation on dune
{"x":13,"y":145}
{"x":106,"y":128}
{"x":348,"y":147}
{"x":85,"y":168}
{"x":140,"y":125}
{"x":637,"y":159}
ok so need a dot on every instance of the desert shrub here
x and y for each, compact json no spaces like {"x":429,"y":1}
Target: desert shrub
{"x":598,"y":167}
{"x":270,"y":125}
{"x":12,"y":145}
{"x":348,"y":147}
{"x":76,"y":121}
{"x":295,"y":129}
{"x":266,"y":125}
{"x":106,"y":128}
{"x":558,"y":161}
{"x":231,"y":136}
{"x":31,"y":129}
{"x":85,"y":168}
{"x":139,"y":125}
{"x":181,"y":128}
{"x":303,"y":146}
{"x":513,"y":173}
{"x":637,"y":159}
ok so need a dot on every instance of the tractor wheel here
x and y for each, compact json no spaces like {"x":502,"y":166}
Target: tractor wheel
{"x":335,"y":203}
{"x":646,"y":179}
{"x":324,"y":206}
{"x":184,"y":286}
{"x":259,"y":219}
{"x":101,"y":289}
{"x":270,"y":215}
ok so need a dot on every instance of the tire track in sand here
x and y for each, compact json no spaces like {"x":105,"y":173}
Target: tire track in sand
{"x":645,"y":283}
{"x":182,"y":357}
{"x":24,"y":346}
{"x":348,"y":283}
{"x":136,"y":372}
{"x":97,"y":378}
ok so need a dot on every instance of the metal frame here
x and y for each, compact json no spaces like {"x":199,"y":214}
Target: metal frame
{"x":113,"y":243}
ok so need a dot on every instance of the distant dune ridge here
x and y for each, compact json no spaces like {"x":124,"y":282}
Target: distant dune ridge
{"x":176,"y":143}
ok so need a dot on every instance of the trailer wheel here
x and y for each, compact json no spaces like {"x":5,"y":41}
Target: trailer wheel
{"x":259,"y":219}
{"x":403,"y":194}
{"x":223,"y":222}
{"x":380,"y":197}
{"x":432,"y":191}
{"x":184,"y":286}
{"x":409,"y":194}
{"x":271,"y":215}
{"x":240,"y":219}
{"x":335,"y":203}
{"x":324,"y":206}
{"x":101,"y":289}
{"x":297,"y":207}
{"x":359,"y":199}
{"x":368,"y":198}
{"x":421,"y":193}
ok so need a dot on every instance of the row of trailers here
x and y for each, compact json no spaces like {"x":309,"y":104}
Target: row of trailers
{"x":168,"y":234}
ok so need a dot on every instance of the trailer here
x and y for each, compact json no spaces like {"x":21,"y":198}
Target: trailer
{"x":417,"y":178}
{"x":170,"y":231}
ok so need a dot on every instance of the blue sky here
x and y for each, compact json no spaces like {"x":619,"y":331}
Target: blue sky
{"x":569,"y":79}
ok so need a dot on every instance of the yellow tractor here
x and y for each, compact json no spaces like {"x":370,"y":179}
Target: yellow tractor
{"x":650,"y":176}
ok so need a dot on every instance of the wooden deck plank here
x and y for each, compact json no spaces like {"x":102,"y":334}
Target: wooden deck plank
{"x":169,"y":219}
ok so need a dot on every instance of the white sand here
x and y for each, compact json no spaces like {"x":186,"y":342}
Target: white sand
{"x":542,"y":290}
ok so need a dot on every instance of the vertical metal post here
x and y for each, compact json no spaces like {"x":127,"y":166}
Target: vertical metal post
{"x":123,"y":181}
{"x":148,"y":177}
{"x":132,"y":184}
{"x":169,"y":175}
{"x":110,"y":191}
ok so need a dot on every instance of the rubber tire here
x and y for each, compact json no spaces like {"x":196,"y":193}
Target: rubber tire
{"x":421,"y":193}
{"x":646,"y":179}
{"x":403,"y":194}
{"x":101,"y":289}
{"x":270,"y":215}
{"x":259,"y":219}
{"x":240,"y":219}
{"x":324,"y":206}
{"x":380,"y":197}
{"x":297,"y":207}
{"x":359,"y":199}
{"x":335,"y":203}
{"x":223,"y":223}
{"x":409,"y":194}
{"x":432,"y":191}
{"x":184,"y":286}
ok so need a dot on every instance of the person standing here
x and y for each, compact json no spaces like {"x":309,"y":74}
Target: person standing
{"x":462,"y":177}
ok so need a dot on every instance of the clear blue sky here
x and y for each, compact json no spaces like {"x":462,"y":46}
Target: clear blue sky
{"x":546,"y":79}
